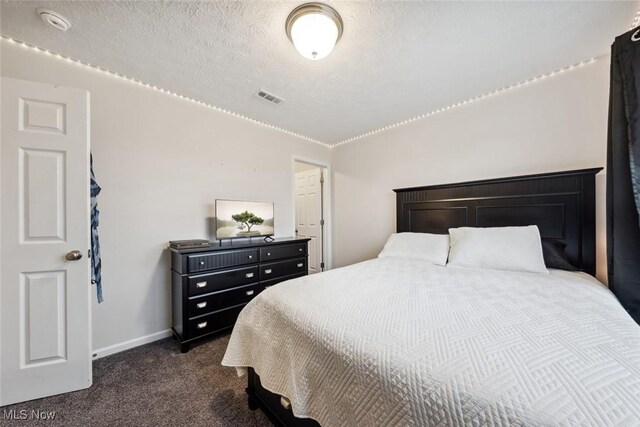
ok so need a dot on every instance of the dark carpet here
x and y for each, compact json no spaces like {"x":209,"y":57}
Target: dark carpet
{"x":152,"y":385}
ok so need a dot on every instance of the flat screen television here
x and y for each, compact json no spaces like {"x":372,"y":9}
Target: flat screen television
{"x":236,"y":219}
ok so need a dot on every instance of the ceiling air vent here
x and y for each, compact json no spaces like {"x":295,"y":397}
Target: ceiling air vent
{"x":267,"y":96}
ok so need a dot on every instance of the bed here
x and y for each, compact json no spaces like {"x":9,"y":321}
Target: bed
{"x":403,"y":342}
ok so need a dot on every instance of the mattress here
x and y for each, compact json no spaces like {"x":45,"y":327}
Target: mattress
{"x":403,"y":342}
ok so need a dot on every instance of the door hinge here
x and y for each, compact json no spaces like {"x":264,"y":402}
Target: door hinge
{"x":322,"y":222}
{"x":89,"y":253}
{"x":322,"y":265}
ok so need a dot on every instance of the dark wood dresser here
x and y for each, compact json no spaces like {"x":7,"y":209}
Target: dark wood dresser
{"x":210,"y":286}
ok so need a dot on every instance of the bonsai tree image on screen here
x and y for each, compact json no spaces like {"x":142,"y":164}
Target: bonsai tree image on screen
{"x":237,"y":218}
{"x":248,"y":219}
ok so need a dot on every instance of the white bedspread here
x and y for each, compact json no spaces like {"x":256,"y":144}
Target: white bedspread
{"x":402,"y":342}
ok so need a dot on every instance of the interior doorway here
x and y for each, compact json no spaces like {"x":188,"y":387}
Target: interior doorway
{"x":312,"y":206}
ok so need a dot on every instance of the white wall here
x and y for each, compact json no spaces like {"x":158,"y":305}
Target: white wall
{"x":161,"y":162}
{"x":559,"y":123}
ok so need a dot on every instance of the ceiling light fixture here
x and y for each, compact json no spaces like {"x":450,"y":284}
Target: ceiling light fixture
{"x":314,"y":29}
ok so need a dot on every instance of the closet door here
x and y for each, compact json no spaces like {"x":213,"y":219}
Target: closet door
{"x":45,"y":321}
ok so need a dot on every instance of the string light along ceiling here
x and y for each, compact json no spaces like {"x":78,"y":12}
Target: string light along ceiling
{"x":635,"y":23}
{"x":156,"y":88}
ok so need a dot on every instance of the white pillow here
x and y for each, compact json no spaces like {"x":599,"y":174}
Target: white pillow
{"x":498,"y":248}
{"x":433,"y":248}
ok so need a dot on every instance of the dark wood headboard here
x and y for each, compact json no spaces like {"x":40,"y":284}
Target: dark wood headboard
{"x":561,"y":204}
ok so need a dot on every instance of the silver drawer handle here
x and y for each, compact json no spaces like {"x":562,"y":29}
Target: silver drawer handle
{"x":201,"y":284}
{"x":300,"y":250}
{"x":267,"y":271}
{"x":249,"y":275}
{"x":202,"y":325}
{"x":202,"y":304}
{"x":201,"y":262}
{"x":300,"y":265}
{"x":250,"y":256}
{"x":268,"y":253}
{"x":249,"y":293}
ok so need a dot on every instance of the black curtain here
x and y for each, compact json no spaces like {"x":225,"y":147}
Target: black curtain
{"x":623,"y":173}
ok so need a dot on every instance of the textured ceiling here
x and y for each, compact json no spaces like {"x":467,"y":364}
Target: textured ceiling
{"x":396,"y":60}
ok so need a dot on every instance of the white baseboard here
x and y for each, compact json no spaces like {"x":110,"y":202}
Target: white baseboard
{"x":117,"y":348}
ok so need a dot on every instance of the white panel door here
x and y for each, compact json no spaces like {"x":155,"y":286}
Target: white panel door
{"x":308,"y":214}
{"x":45,"y":321}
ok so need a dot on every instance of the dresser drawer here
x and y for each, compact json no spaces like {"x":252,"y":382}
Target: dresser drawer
{"x":283,"y":251}
{"x":219,"y":280}
{"x":213,"y":322}
{"x":278,"y":269}
{"x":220,"y":300}
{"x":266,"y":283}
{"x":214,"y":260}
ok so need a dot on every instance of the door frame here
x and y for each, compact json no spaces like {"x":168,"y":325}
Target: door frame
{"x":327,"y":203}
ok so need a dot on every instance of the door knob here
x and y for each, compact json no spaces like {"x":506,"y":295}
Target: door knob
{"x":73,"y":256}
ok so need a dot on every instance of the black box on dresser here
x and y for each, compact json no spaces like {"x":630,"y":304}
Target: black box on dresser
{"x":211,"y":285}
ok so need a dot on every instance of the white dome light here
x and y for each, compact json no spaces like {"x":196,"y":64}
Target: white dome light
{"x":314,"y":29}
